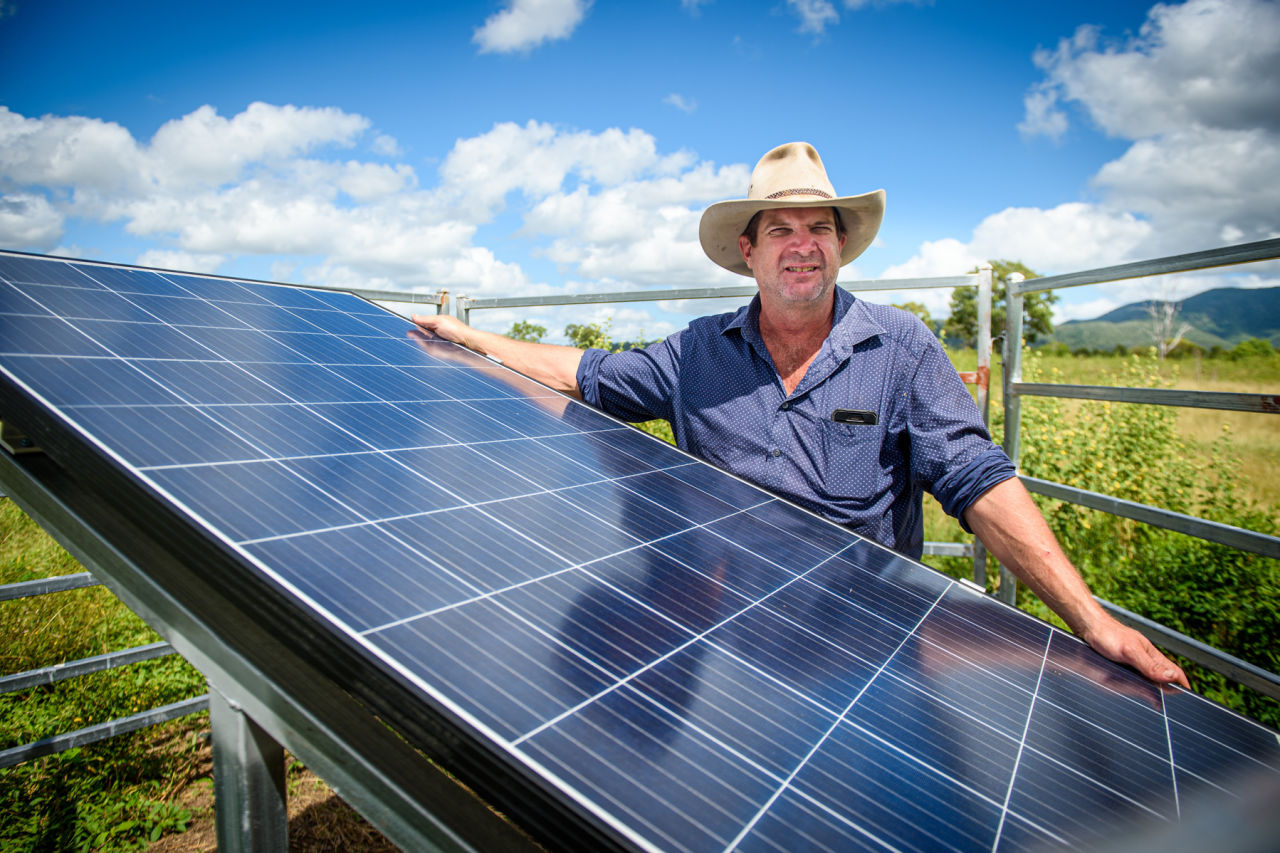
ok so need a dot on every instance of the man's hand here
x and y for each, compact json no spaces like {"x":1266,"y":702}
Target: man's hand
{"x":445,"y":326}
{"x":1124,"y":645}
{"x":1012,"y":528}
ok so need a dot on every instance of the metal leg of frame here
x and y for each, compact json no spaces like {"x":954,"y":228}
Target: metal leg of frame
{"x":248,"y":782}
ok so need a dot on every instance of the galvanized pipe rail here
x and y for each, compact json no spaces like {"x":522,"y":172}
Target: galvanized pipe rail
{"x":47,"y":675}
{"x":463,"y":304}
{"x":1015,"y":389}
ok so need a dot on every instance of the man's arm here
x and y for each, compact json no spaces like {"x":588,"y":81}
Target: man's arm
{"x":1011,"y":527}
{"x":551,"y":364}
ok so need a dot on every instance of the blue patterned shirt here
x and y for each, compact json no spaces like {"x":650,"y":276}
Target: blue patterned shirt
{"x":717,"y":385}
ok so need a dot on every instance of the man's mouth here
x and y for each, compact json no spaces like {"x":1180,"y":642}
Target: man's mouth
{"x":802,"y":268}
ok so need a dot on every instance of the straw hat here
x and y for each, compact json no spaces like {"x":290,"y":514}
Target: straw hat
{"x":790,"y":175}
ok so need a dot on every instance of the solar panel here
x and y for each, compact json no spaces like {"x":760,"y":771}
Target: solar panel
{"x":611,"y":638}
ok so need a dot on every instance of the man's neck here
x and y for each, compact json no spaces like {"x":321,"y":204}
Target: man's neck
{"x":794,"y":338}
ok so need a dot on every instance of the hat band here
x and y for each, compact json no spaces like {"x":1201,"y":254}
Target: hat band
{"x":803,"y":191}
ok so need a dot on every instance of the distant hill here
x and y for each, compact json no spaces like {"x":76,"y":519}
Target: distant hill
{"x":1223,"y":317}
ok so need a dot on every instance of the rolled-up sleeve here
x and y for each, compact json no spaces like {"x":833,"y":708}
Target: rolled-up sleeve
{"x":951,"y":450}
{"x":634,"y":385}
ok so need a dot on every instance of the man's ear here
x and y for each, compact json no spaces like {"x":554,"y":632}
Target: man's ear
{"x":744,"y":246}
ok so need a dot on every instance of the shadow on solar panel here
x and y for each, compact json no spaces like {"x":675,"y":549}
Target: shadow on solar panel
{"x":619,"y":645}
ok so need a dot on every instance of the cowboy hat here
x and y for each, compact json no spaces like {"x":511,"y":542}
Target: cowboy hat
{"x":790,"y":175}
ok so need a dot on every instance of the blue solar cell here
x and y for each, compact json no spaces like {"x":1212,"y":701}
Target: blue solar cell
{"x":622,"y":507}
{"x":397,"y":351}
{"x":128,"y":282}
{"x":187,"y":311}
{"x":141,"y":340}
{"x":563,"y":528}
{"x":216,"y":290}
{"x":534,"y":463}
{"x":210,"y":381}
{"x":753,"y":575}
{"x":458,"y":421}
{"x":24,"y":335}
{"x":474,"y":546}
{"x":378,"y":486}
{"x":323,"y":349}
{"x":387,"y":383}
{"x":382,"y":425}
{"x":150,"y":436}
{"x":85,"y":304}
{"x":288,"y":297}
{"x":458,"y":383}
{"x":335,"y":322}
{"x":361,"y":575}
{"x":466,"y":472}
{"x":285,"y":429}
{"x":90,"y":381}
{"x":690,"y":661}
{"x":307,"y":383}
{"x":506,"y":674}
{"x":594,"y":452}
{"x":682,"y":791}
{"x":230,"y":498}
{"x":36,"y":270}
{"x":267,"y":318}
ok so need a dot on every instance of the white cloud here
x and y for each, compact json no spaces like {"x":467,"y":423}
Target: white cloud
{"x":1204,"y":121}
{"x":680,"y":102}
{"x":1197,"y":91}
{"x":1211,"y":63}
{"x":1070,"y":236}
{"x":814,"y":15}
{"x":280,"y":183}
{"x":186,"y":261}
{"x":1043,"y":115}
{"x":385,"y":145}
{"x":28,"y":220}
{"x":525,"y":24}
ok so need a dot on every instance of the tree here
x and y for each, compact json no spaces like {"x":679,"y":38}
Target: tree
{"x":526,"y":331}
{"x":588,"y":335}
{"x":1037,"y":308}
{"x":1164,"y":314}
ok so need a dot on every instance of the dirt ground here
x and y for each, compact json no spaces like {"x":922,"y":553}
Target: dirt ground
{"x":319,"y":820}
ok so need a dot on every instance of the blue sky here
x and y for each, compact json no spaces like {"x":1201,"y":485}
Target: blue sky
{"x":534,"y":146}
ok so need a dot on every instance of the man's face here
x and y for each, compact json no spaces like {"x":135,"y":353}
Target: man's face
{"x":796,"y":257}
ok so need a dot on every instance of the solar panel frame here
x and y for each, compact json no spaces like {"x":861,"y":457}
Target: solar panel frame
{"x":533,"y":788}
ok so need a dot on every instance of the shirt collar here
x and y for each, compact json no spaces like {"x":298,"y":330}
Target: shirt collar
{"x":852,"y":324}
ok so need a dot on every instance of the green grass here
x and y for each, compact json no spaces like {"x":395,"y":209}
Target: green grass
{"x":111,"y":795}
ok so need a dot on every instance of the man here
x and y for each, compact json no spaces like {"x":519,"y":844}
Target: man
{"x":848,"y":408}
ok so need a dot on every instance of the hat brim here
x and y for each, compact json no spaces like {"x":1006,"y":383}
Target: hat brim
{"x":723,"y":223}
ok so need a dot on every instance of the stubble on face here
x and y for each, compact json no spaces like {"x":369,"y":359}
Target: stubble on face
{"x":796,"y":255}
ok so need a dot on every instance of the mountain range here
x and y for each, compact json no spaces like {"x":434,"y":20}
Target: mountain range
{"x":1222,"y":317}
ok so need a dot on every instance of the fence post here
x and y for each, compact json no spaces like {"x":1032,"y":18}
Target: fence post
{"x":442,"y":304}
{"x":984,"y":395}
{"x":1012,"y":405}
{"x":462,"y":309}
{"x":249,"y":803}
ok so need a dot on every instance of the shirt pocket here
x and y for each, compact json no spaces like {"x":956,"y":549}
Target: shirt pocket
{"x":852,"y":457}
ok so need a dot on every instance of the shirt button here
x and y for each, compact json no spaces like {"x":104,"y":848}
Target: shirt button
{"x":776,"y":452}
{"x":785,"y":406}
